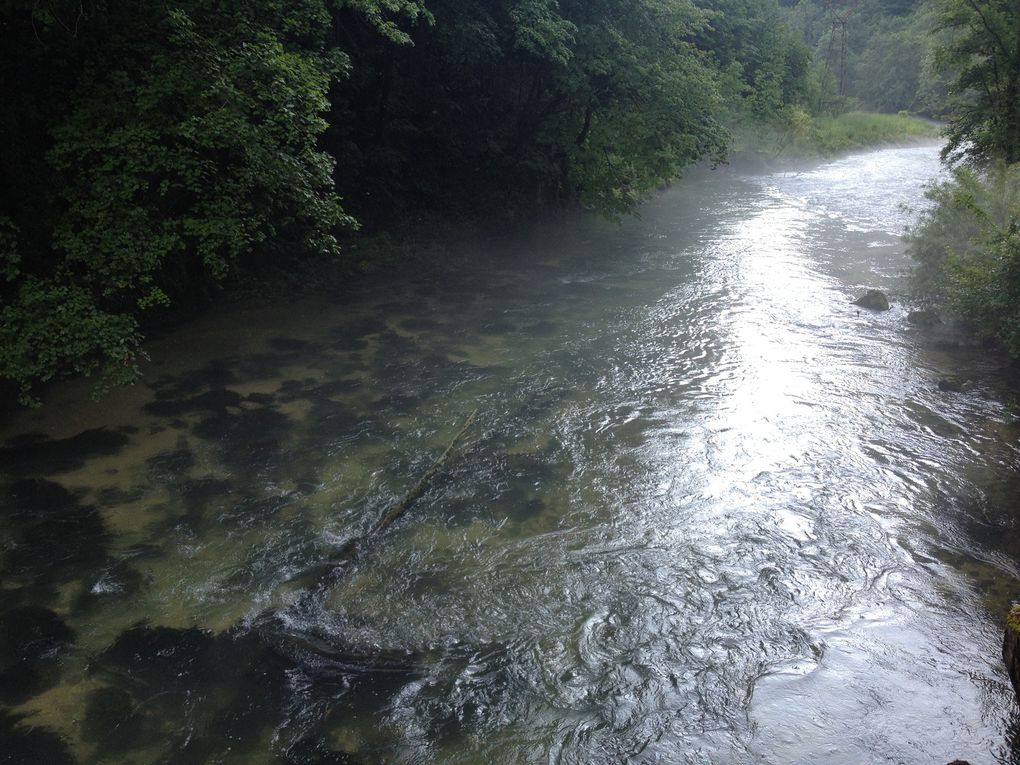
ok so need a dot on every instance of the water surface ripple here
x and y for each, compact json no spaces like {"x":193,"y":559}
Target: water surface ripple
{"x":711,"y":512}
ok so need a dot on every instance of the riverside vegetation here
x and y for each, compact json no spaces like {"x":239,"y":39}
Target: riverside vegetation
{"x":967,"y":243}
{"x":154,"y":153}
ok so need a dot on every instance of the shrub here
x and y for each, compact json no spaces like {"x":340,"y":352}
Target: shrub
{"x":967,"y":246}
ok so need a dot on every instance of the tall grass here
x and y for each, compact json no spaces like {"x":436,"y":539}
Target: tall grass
{"x":800,"y":135}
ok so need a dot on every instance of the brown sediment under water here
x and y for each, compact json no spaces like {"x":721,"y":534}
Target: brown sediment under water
{"x":710,"y":511}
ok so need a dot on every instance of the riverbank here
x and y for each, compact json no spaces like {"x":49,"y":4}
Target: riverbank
{"x":807,"y":137}
{"x":414,"y":240}
{"x":415,"y":244}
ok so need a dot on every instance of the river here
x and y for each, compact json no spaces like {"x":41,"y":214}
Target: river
{"x":709,"y":511}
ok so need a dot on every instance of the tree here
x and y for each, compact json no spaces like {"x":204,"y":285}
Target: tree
{"x":513,"y":103}
{"x":967,"y":245}
{"x":888,"y":71}
{"x":764,"y":66}
{"x":643,"y":101}
{"x":982,"y":53}
{"x":174,"y":141}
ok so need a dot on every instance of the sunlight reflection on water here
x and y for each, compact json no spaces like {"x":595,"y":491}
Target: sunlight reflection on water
{"x":711,"y":512}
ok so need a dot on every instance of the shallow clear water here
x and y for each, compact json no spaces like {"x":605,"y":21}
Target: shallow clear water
{"x":710,"y":512}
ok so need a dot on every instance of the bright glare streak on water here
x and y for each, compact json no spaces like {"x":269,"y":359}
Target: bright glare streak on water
{"x":711,"y":513}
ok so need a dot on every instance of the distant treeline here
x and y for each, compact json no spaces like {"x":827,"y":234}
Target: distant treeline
{"x":873,"y":54}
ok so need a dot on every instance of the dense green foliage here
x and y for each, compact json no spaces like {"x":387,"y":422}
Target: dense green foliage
{"x":871,"y":54}
{"x":524,"y":102}
{"x":153,"y":149}
{"x":968,"y":250}
{"x":968,"y":244}
{"x":982,"y":53}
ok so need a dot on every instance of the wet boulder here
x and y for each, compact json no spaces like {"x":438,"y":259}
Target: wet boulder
{"x":873,"y":300}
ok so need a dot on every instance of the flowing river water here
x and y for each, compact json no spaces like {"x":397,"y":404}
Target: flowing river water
{"x":709,"y":511}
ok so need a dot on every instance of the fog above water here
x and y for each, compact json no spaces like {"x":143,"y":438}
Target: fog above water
{"x":710,"y":512}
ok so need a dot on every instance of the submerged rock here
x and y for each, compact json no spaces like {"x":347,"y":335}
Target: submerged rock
{"x":315,"y":653}
{"x":116,"y":722}
{"x":164,"y":657}
{"x":35,"y":454}
{"x":1011,"y":649}
{"x":25,"y":741}
{"x":54,"y":538}
{"x":223,"y":686}
{"x":316,"y":750}
{"x":873,"y":300}
{"x":33,"y":641}
{"x":216,"y":400}
{"x":950,"y":385}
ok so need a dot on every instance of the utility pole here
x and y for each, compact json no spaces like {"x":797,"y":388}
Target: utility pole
{"x":842,"y":11}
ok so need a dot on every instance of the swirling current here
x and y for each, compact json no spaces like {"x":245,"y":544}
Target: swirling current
{"x":709,"y":511}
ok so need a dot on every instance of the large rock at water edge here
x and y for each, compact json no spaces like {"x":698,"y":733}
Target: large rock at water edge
{"x":1011,"y":649}
{"x":873,"y":300}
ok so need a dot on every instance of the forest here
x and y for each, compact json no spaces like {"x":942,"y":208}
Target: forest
{"x":153,"y":152}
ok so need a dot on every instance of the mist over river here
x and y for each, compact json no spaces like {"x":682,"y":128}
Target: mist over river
{"x":709,"y":511}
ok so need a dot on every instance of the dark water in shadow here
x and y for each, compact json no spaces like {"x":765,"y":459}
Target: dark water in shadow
{"x":710,"y":511}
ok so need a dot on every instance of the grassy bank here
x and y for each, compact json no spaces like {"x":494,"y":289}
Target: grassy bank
{"x":804,"y":136}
